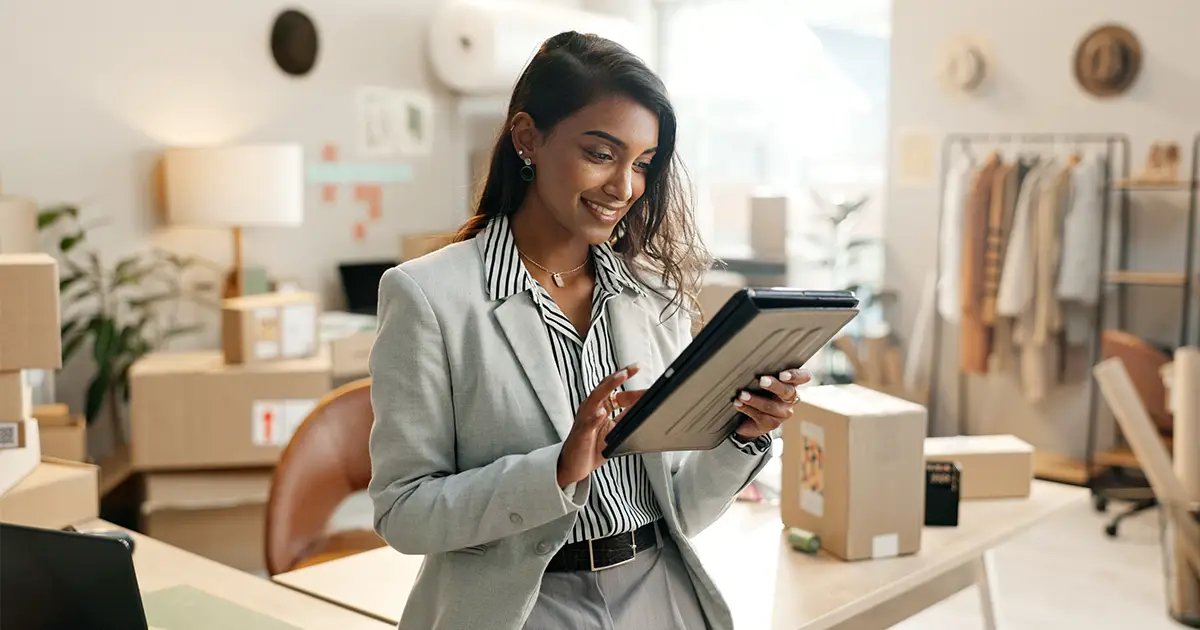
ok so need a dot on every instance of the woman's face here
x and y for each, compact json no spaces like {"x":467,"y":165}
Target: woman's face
{"x":592,"y":166}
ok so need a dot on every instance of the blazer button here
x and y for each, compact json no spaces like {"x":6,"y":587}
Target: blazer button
{"x":515,"y":518}
{"x":543,"y":548}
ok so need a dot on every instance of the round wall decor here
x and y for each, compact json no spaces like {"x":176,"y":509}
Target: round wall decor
{"x":294,"y":42}
{"x":1108,"y":60}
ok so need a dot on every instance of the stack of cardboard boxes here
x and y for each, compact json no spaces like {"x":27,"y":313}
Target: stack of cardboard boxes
{"x":207,"y":428}
{"x":29,"y":339}
{"x":35,"y":490}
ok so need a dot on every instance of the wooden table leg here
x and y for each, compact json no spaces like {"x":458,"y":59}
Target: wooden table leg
{"x":989,"y":600}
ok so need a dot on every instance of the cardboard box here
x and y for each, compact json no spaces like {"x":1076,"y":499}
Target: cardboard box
{"x":854,"y":471}
{"x":269,"y":327}
{"x":56,"y":494}
{"x":53,"y":415}
{"x":29,"y":315}
{"x":993,"y":466}
{"x":17,"y":463}
{"x":350,"y":337}
{"x":67,"y":442}
{"x":220,"y":515}
{"x":417,"y":245}
{"x":16,"y":396}
{"x":191,"y":410}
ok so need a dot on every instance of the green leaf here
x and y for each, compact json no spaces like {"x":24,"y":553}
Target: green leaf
{"x":50,"y":216}
{"x":153,"y":298}
{"x":66,"y":282}
{"x":67,"y":328}
{"x":69,"y":242}
{"x":96,"y":392}
{"x":105,"y":346}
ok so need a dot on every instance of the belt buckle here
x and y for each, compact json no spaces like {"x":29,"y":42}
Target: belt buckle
{"x":592,"y":555}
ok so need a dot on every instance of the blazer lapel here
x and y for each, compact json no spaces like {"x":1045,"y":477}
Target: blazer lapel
{"x":522,"y":325}
{"x":631,"y":339}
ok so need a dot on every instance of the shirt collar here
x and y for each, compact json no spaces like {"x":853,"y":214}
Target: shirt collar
{"x":506,"y":274}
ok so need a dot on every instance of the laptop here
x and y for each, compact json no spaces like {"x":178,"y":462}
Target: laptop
{"x":59,"y":580}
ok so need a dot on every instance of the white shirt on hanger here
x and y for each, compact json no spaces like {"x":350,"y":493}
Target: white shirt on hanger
{"x":1015,"y":293}
{"x":959,"y":177}
{"x":1079,"y":271}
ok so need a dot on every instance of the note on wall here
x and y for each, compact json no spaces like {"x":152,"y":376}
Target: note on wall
{"x":916,"y":158}
{"x":392,"y":122}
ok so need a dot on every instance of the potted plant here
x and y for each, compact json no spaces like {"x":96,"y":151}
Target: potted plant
{"x":125,"y":310}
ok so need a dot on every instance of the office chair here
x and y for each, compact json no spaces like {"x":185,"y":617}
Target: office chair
{"x":327,"y":460}
{"x":1143,"y":362}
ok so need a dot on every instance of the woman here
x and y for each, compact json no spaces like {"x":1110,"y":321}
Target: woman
{"x":502,"y":360}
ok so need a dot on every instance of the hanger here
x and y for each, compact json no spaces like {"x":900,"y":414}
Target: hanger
{"x":1075,"y":157}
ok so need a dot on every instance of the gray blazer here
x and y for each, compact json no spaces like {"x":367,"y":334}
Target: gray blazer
{"x":470,"y":415}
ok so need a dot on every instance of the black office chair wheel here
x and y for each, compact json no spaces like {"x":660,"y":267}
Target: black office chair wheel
{"x":1100,"y":502}
{"x":1111,"y":530}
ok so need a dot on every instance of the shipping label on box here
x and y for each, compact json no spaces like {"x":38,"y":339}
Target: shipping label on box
{"x":16,"y":396}
{"x":191,"y":410}
{"x":30,"y":335}
{"x":269,"y":327}
{"x":274,"y":422}
{"x":12,"y":434}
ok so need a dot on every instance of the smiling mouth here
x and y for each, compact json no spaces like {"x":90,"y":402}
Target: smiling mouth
{"x":604,"y":212}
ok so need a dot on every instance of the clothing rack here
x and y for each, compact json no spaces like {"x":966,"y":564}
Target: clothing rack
{"x":1113,"y":145}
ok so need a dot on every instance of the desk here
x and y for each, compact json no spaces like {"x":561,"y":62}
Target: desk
{"x":808,"y":592}
{"x":160,"y":566}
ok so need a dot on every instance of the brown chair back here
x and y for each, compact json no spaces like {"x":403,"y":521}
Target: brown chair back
{"x":327,"y":460}
{"x":1143,"y":362}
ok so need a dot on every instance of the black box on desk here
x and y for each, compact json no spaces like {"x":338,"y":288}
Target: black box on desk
{"x":943,"y":481}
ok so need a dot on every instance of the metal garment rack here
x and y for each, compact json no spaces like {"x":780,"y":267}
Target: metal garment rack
{"x":1111,"y":143}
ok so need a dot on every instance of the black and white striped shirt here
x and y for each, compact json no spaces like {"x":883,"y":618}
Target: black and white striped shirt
{"x":621,"y":499}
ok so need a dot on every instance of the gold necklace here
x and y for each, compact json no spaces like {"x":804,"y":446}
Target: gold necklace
{"x":557,"y":277}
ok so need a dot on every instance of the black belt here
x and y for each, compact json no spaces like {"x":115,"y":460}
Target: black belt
{"x":604,"y":553}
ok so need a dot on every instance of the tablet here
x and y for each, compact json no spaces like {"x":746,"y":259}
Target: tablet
{"x":757,"y":332}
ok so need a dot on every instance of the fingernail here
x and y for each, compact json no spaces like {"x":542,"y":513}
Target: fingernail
{"x":745,"y":396}
{"x":785,"y":376}
{"x":802,"y":374}
{"x":623,"y":373}
{"x":631,"y":367}
{"x":764,"y":381}
{"x":738,"y":404}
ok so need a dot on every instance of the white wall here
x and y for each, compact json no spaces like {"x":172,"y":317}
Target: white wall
{"x":1033,"y":89}
{"x":92,"y":92}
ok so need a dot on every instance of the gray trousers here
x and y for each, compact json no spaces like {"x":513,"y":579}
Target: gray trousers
{"x":653,"y":591}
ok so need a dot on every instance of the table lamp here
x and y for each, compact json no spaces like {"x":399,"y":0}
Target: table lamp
{"x":254,"y":185}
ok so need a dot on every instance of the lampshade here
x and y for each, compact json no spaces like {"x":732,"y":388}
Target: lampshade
{"x":237,"y":186}
{"x":18,"y":225}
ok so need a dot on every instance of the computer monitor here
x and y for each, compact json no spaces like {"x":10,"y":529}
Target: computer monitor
{"x":360,"y":284}
{"x":56,"y":580}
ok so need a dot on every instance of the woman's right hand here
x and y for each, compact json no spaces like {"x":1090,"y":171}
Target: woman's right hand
{"x":581,"y":452}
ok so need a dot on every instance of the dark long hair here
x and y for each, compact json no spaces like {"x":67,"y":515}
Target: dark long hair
{"x":569,"y":72}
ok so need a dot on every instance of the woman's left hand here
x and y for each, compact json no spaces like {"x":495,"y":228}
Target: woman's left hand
{"x":767,"y":410}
